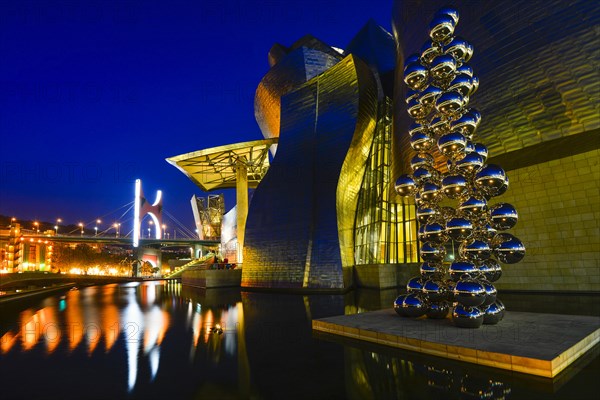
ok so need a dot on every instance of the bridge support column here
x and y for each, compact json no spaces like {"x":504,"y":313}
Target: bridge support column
{"x":241,"y":192}
{"x":198,"y":251}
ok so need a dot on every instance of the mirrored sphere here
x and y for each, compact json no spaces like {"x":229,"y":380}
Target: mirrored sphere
{"x":415,"y":285}
{"x":429,"y":96}
{"x":416,"y":127}
{"x":442,"y":67}
{"x":464,"y":70}
{"x":494,"y":313}
{"x":435,"y":233}
{"x":450,"y":103}
{"x":449,"y":11}
{"x":421,"y":142}
{"x":459,"y":229}
{"x":451,"y":143}
{"x":469,"y":292}
{"x":441,"y":28}
{"x":439,"y":125}
{"x":438,"y":310}
{"x":508,"y":249}
{"x":482,"y":150}
{"x":473,"y":206}
{"x":491,"y":294}
{"x":467,"y":317}
{"x":415,"y":76}
{"x":475,"y":250}
{"x":467,"y":124}
{"x":421,"y":233}
{"x":461,"y":84}
{"x":411,"y":95}
{"x":490,"y":269}
{"x":425,"y":214}
{"x":429,"y":51}
{"x":458,"y":270}
{"x":430,"y":192}
{"x":421,"y":160}
{"x":459,"y":49}
{"x":428,"y":270}
{"x":414,"y":306}
{"x":432,"y":253}
{"x":475,"y":82}
{"x":416,"y":110}
{"x":470,"y":163}
{"x":435,"y":290}
{"x":424,"y":174}
{"x":491,"y":180}
{"x":485,"y":232}
{"x":503,"y":216}
{"x":470,"y":147}
{"x":446,"y":214}
{"x":406,"y":185}
{"x":454,"y":186}
{"x":398,"y":304}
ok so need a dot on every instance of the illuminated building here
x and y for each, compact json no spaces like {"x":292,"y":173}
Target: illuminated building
{"x":324,"y":212}
{"x":540,"y":104}
{"x":18,"y":254}
{"x":324,"y":216}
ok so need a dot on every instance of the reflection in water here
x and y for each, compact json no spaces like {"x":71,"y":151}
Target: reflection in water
{"x":373,"y":375}
{"x":157,"y":340}
{"x":95,"y":313}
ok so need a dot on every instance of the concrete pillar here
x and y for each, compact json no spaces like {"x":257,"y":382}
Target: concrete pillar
{"x":241,"y":192}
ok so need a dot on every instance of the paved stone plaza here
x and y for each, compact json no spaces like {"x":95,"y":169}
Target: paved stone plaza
{"x":531,"y":343}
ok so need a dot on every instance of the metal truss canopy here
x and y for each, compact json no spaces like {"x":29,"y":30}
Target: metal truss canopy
{"x":215,"y":168}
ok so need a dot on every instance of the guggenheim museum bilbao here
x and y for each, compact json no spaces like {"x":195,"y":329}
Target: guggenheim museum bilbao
{"x":324,"y":215}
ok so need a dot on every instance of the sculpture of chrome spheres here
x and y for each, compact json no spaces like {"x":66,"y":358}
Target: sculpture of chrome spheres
{"x":452,"y":199}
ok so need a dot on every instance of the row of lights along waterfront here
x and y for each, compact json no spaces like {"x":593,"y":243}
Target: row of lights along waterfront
{"x":81,"y":225}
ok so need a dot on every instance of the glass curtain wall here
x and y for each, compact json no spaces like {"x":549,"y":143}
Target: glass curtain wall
{"x":385,"y":231}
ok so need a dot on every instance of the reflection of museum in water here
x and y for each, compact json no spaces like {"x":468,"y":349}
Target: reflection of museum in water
{"x":324,"y":215}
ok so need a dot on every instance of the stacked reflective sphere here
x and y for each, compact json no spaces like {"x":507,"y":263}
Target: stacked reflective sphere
{"x":452,"y":200}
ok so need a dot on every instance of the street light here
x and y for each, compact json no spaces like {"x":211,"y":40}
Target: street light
{"x":96,"y":229}
{"x":81,"y":226}
{"x":12,"y":221}
{"x":117,"y":228}
{"x":150,"y":223}
{"x":164,"y":230}
{"x":58,"y":221}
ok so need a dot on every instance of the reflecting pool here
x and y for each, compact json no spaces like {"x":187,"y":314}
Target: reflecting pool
{"x":163,"y":340}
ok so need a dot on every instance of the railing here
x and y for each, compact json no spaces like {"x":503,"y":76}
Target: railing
{"x":179,"y":270}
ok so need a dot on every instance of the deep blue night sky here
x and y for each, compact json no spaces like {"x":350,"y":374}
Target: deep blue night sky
{"x":97,"y":93}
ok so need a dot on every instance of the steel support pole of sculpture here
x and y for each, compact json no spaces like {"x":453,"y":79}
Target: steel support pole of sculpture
{"x":451,"y":185}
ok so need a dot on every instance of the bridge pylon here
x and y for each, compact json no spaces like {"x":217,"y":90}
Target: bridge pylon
{"x":142,"y":208}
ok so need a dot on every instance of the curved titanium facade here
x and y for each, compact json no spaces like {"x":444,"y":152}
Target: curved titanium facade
{"x":290,"y":71}
{"x":292,"y":228}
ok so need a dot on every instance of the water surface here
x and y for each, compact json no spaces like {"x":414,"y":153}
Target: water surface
{"x":162,"y":340}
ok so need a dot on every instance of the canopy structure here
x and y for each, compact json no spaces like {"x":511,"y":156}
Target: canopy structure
{"x":215,"y":168}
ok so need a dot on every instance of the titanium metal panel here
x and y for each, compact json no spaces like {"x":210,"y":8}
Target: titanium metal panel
{"x":376,"y":47}
{"x":538,"y":64}
{"x":292,"y":238}
{"x":290,"y":71}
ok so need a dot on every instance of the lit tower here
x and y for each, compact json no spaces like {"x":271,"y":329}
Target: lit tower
{"x":142,"y":208}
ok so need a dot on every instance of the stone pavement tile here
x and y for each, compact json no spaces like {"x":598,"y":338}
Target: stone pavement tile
{"x":524,"y":342}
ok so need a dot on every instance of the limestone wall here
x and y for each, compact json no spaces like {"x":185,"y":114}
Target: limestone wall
{"x":559,"y":212}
